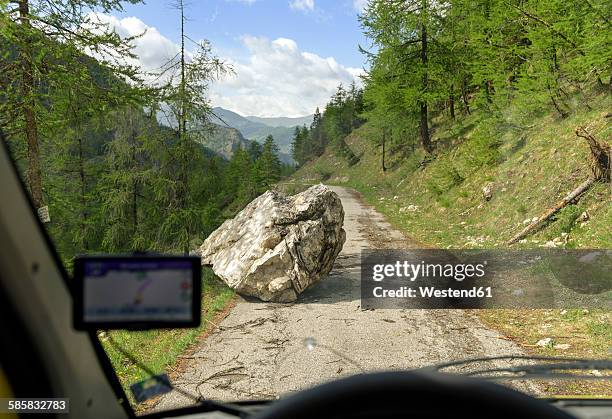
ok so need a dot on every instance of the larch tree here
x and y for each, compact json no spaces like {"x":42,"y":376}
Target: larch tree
{"x":45,"y":44}
{"x":184,"y":95}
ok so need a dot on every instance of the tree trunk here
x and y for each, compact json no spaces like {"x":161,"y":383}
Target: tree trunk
{"x":560,"y":111}
{"x":384,"y":169}
{"x":183,"y":177}
{"x":601,"y":154}
{"x":424,"y":124}
{"x":136,"y":169}
{"x":34,"y":176}
{"x":83,"y":192}
{"x":552,"y":211}
{"x":451,"y":104}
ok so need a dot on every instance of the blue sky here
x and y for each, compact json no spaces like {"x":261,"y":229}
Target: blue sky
{"x":331,"y":29}
{"x":288,"y":54}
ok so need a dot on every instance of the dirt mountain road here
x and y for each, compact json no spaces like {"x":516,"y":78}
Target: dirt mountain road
{"x":262,"y":350}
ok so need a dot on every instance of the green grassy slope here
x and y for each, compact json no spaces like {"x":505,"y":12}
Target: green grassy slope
{"x":529,"y":168}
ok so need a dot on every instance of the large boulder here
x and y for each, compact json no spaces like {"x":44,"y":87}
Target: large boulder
{"x":278,"y":245}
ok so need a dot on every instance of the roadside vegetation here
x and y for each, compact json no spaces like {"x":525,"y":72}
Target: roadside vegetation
{"x":472,"y":126}
{"x":115,"y":153}
{"x":538,"y":167}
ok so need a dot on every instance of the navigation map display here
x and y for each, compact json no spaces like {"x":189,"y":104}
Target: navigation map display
{"x":137,"y":292}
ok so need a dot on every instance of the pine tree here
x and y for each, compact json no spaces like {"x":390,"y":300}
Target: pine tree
{"x":267,"y":168}
{"x":297,"y":144}
{"x":53,"y":36}
{"x":185,"y":96}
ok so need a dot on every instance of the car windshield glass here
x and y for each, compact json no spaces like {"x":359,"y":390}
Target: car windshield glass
{"x":370,"y":185}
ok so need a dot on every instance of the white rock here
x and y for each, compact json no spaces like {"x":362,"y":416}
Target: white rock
{"x":544,"y":342}
{"x":277,"y":246}
{"x":487,"y":192}
{"x":409,"y":208}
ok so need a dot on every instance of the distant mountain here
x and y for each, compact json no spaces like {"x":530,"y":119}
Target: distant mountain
{"x":253,"y":128}
{"x":283,"y":121}
{"x":227,"y":118}
{"x":224,"y":141}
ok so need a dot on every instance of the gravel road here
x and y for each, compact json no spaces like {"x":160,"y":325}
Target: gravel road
{"x":263,"y":350}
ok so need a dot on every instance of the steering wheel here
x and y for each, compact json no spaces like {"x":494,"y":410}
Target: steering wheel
{"x":410,"y":394}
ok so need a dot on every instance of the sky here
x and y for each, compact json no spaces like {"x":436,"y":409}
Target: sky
{"x":288,"y":55}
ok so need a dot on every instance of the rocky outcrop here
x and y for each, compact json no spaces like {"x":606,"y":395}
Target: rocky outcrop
{"x":278,"y":245}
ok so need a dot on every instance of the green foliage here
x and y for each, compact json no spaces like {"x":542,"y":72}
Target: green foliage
{"x":564,"y":221}
{"x":483,"y":148}
{"x":341,"y":116}
{"x":485,"y":54}
{"x":444,"y":177}
{"x":267,"y":166}
{"x":121,"y":163}
{"x":323,"y":173}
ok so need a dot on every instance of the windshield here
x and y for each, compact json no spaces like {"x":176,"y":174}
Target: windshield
{"x":370,"y":185}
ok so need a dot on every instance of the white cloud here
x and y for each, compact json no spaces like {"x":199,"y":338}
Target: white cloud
{"x":275,"y":78}
{"x":303,"y":5}
{"x":360,"y":5}
{"x":152,"y":49}
{"x":280,"y":79}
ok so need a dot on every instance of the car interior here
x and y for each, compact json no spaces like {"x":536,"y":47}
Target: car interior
{"x":43,"y":355}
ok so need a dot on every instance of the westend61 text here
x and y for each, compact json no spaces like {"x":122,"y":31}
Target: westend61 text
{"x":432,"y":292}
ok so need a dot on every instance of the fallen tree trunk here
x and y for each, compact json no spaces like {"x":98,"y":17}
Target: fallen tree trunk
{"x":552,"y":211}
{"x":599,"y":163}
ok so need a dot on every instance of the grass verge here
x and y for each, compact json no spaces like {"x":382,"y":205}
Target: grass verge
{"x":577,"y":333}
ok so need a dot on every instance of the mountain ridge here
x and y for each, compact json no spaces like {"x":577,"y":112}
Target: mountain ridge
{"x":252,"y":128}
{"x":224,"y":141}
{"x":283,"y":121}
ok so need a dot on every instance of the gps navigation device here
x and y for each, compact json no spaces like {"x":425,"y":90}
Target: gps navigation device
{"x":136,"y":292}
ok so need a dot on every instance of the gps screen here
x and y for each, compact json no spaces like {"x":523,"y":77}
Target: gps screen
{"x":137,"y":292}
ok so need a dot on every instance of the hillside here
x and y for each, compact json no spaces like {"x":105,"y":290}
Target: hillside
{"x":257,"y":129}
{"x":441,"y":203}
{"x":224,"y":141}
